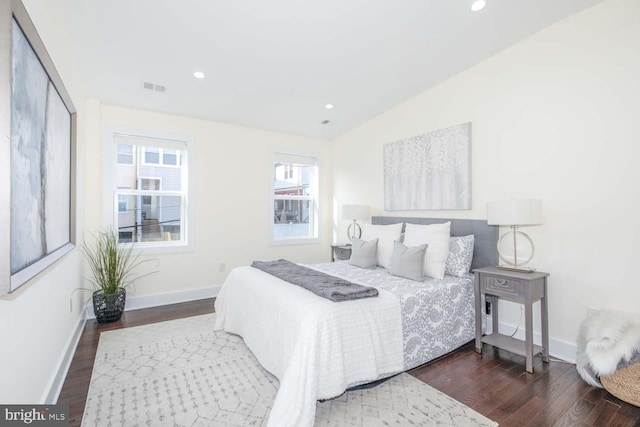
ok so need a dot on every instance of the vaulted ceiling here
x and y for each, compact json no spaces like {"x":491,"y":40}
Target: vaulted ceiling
{"x":275,"y":64}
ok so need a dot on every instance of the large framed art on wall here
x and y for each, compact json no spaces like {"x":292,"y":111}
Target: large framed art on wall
{"x":37,"y":154}
{"x":429,"y":171}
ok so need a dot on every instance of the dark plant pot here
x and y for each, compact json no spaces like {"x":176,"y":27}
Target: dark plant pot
{"x":109,"y":307}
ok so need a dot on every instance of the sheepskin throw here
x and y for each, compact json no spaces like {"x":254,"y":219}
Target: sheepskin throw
{"x":607,"y":341}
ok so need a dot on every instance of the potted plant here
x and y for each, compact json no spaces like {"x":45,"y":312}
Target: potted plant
{"x":112,"y":266}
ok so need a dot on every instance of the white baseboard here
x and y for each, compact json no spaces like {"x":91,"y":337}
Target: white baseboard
{"x":137,"y":302}
{"x":54,"y":389}
{"x":557,"y":348}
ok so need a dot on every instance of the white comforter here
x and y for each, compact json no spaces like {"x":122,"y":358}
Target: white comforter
{"x":315,"y":347}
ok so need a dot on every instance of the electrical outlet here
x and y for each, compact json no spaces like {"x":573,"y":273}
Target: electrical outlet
{"x":487,"y":307}
{"x":222,"y":268}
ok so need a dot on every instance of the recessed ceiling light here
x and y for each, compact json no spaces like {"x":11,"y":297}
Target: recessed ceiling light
{"x":198,"y":75}
{"x":328,"y":106}
{"x":478,"y":5}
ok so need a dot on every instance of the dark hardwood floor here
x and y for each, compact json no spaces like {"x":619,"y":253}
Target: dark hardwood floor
{"x":494,"y":383}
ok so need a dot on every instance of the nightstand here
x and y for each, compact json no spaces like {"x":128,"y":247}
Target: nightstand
{"x":523,"y":288}
{"x":340,"y":252}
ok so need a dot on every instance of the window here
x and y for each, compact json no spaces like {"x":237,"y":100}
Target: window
{"x":169,"y":157}
{"x":122,"y":203}
{"x":125,"y":236}
{"x":150,"y":183}
{"x":161,"y":156}
{"x":295,"y":199}
{"x":151,"y":194}
{"x":125,"y":154}
{"x":152,"y":155}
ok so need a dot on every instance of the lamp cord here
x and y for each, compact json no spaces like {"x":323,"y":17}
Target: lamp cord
{"x":519,"y":322}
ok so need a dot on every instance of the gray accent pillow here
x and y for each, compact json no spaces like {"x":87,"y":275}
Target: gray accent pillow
{"x":460,"y":255}
{"x":364,"y":254}
{"x":408,"y":261}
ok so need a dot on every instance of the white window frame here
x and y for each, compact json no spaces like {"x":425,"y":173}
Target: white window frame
{"x":284,"y":156}
{"x":112,"y":137}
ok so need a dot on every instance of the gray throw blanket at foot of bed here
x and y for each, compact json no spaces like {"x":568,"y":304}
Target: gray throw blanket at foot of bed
{"x":322,"y":284}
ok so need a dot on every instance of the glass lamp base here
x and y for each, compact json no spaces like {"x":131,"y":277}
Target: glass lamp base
{"x":515,"y":265}
{"x":354,"y":230}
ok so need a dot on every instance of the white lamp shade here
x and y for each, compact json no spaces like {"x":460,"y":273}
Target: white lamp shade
{"x":515,"y":212}
{"x":355,"y":212}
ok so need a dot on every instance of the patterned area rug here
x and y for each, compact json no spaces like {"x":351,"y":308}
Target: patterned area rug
{"x":183,"y":373}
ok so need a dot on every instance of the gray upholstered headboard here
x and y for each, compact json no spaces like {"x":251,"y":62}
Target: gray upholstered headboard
{"x":485,"y":253}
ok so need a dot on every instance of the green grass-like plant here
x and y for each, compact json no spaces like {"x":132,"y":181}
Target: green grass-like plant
{"x":112,"y":264}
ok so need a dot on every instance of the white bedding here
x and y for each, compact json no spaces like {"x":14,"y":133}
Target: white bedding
{"x":315,"y":347}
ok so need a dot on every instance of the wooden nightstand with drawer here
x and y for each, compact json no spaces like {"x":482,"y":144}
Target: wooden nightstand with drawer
{"x":524,"y":288}
{"x":340,"y":252}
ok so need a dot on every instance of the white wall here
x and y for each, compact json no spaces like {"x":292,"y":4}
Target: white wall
{"x":233,"y":169}
{"x":231,"y":219}
{"x":554,"y":117}
{"x":36,"y":324}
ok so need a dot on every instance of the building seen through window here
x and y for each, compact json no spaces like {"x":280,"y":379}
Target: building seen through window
{"x":151,"y":192}
{"x":294,"y":197}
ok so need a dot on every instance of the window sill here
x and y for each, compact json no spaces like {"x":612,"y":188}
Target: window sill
{"x":178,"y":247}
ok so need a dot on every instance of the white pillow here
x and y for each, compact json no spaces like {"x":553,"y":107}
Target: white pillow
{"x":437,"y":237}
{"x":386,"y":235}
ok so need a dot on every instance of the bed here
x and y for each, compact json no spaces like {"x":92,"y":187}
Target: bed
{"x":318,"y":348}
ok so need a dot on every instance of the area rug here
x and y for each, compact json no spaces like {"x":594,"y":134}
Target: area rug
{"x":183,"y":373}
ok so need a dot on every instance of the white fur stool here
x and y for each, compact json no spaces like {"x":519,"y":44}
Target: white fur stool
{"x":609,"y":353}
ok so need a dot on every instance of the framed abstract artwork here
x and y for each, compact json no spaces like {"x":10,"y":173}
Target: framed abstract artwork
{"x":37,"y":154}
{"x":429,"y":171}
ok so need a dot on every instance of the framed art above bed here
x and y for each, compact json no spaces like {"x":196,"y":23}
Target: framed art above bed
{"x":429,"y":171}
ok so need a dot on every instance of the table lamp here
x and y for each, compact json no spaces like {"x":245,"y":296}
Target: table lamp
{"x":515,"y":213}
{"x":355,"y":212}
